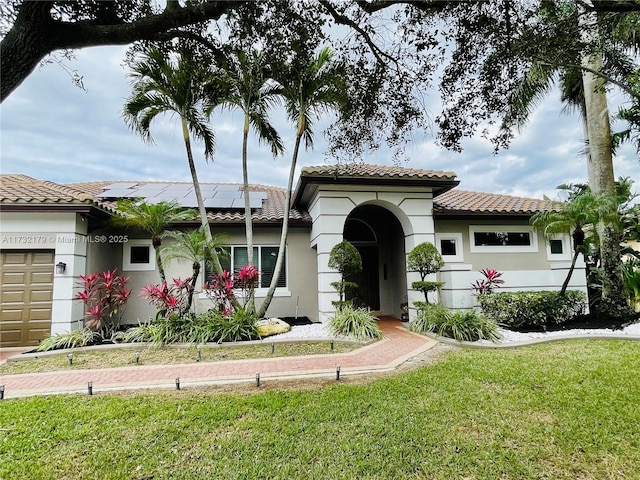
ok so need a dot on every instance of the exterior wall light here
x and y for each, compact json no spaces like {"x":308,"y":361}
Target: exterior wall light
{"x":60,"y":267}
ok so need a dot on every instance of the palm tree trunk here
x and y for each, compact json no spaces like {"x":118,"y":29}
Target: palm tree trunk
{"x":213,"y":255}
{"x":250,"y":306}
{"x":285,"y":229}
{"x":565,"y":284}
{"x":601,"y":176}
{"x":156,"y":248}
{"x":192,"y":286}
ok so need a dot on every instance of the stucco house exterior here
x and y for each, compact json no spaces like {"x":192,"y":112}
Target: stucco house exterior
{"x":52,"y":233}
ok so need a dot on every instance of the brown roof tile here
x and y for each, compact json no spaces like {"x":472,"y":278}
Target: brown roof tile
{"x":21,"y":189}
{"x":461,"y":201}
{"x":380,"y":171}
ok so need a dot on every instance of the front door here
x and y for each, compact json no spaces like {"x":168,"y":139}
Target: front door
{"x":368,"y":293}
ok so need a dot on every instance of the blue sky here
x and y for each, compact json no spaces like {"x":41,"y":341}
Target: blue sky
{"x":52,"y":130}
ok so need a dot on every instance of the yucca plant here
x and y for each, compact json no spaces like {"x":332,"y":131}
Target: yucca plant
{"x":73,"y":339}
{"x":355,"y":322}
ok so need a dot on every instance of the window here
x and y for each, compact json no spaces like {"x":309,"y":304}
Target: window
{"x":502,"y":238}
{"x":556,"y":247}
{"x":138,"y":255}
{"x":559,"y":248}
{"x":264,"y":258}
{"x":450,"y":246}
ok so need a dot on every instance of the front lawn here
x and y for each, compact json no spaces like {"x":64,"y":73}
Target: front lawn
{"x":557,"y":411}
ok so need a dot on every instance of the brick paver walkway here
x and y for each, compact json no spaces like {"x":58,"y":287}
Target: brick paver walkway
{"x":397,"y":346}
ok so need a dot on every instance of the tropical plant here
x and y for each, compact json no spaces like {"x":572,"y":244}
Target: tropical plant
{"x":345,"y":258}
{"x":631,"y":276}
{"x":310,"y":88}
{"x":426,"y":260}
{"x":152,"y":218}
{"x":169,"y":300}
{"x":181,"y":87}
{"x":192,"y":246}
{"x":246,"y":86}
{"x":486,"y":285}
{"x":73,"y":339}
{"x":582,"y":209}
{"x":105,"y":296}
{"x":464,"y":325}
{"x":354,"y":322}
{"x":220,"y":291}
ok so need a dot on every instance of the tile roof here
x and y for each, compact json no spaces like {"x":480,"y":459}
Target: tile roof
{"x":21,"y":189}
{"x":272,"y":207}
{"x":378,"y":171}
{"x":461,"y":201}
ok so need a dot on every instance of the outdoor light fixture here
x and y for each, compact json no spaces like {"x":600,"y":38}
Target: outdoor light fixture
{"x":70,"y":357}
{"x":137,"y":357}
{"x":1,"y":392}
{"x":90,"y":388}
{"x":257,"y":379}
{"x":199,"y":348}
{"x":178,"y":383}
{"x":60,"y":267}
{"x":337,"y":372}
{"x":273,"y":347}
{"x":332,"y":345}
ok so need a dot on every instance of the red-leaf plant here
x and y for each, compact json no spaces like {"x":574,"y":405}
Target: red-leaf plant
{"x":220,"y":291}
{"x":169,"y":300}
{"x":246,"y":280}
{"x":105,"y":296}
{"x":490,"y":281}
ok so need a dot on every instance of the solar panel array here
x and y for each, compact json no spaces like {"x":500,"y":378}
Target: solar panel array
{"x":213,"y":196}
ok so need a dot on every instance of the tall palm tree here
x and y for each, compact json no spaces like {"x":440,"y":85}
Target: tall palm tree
{"x":310,"y":88}
{"x":152,"y":218}
{"x":246,"y":86}
{"x":191,"y":246}
{"x":176,"y":86}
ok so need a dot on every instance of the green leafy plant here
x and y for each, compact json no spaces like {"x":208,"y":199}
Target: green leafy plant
{"x":631,"y":276}
{"x":355,"y":322}
{"x":463,"y":325}
{"x":73,"y":339}
{"x":213,"y":326}
{"x":425,"y":259}
{"x":532,"y":309}
{"x":345,"y":258}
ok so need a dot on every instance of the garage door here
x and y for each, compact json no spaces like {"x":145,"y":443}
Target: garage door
{"x":26,"y":294}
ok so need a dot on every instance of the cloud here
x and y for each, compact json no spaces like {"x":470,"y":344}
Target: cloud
{"x":53,"y":130}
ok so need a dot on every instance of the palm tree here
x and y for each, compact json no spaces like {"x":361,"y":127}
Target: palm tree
{"x":310,"y":88}
{"x":191,"y":246}
{"x":176,"y":86}
{"x":153,"y":218}
{"x":248,"y":88}
{"x":583,"y":209}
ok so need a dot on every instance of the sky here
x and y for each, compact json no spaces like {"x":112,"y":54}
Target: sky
{"x":52,"y":130}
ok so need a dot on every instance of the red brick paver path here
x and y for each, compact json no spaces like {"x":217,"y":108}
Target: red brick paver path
{"x":397,"y":346}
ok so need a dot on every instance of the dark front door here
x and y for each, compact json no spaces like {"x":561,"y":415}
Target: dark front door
{"x":368,"y":294}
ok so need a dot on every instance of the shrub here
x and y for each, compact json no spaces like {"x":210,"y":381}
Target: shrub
{"x":355,"y":322}
{"x":105,"y":296}
{"x":532,"y":309}
{"x":490,"y":281}
{"x":171,"y":329}
{"x":169,"y":300}
{"x":345,"y":258}
{"x":463,"y":325}
{"x":425,"y":259}
{"x":73,"y":339}
{"x":213,"y":326}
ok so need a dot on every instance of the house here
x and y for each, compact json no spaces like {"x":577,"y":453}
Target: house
{"x":51,"y":233}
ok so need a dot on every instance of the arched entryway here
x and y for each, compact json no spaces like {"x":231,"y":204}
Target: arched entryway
{"x":378,"y":236}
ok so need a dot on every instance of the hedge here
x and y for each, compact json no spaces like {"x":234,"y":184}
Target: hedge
{"x":532,"y":309}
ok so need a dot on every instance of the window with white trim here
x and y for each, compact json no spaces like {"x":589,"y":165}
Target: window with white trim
{"x":264,"y":258}
{"x":502,"y":238}
{"x":138,"y":255}
{"x":559,"y":248}
{"x":450,"y":246}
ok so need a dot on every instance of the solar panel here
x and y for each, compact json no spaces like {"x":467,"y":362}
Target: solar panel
{"x":118,"y":193}
{"x":119,"y":186}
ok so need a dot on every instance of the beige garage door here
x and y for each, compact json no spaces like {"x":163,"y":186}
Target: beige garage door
{"x":26,"y":294}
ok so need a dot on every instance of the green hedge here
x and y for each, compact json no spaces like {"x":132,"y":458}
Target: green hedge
{"x":462,"y":325}
{"x":532,"y":309}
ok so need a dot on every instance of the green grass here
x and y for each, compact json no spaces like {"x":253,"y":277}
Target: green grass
{"x":125,"y":357}
{"x":557,"y":411}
